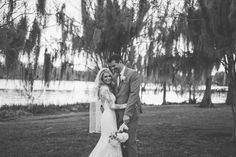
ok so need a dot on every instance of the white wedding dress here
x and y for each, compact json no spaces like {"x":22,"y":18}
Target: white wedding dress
{"x":108,"y":125}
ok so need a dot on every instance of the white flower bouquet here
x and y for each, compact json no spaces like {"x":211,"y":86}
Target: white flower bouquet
{"x":116,"y":138}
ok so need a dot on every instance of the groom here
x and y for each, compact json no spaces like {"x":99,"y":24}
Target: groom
{"x":127,"y":92}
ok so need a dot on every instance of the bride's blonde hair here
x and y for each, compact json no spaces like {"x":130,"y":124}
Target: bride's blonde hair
{"x":101,"y":82}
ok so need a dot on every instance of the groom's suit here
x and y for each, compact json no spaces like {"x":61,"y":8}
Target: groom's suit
{"x":128,"y":92}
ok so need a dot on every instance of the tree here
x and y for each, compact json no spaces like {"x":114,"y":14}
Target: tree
{"x":218,"y":23}
{"x":15,"y":40}
{"x":187,"y":78}
{"x":219,"y":78}
{"x":13,"y":34}
{"x":160,"y":59}
{"x":193,"y":27}
{"x":110,"y":27}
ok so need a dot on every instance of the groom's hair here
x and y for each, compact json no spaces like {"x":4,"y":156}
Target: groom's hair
{"x":115,"y":57}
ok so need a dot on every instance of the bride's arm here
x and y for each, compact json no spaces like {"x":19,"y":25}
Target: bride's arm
{"x":118,"y":106}
{"x":106,"y":97}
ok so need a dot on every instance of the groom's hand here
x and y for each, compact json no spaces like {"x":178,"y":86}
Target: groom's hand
{"x":126,"y":119}
{"x":101,"y":108}
{"x":123,"y":127}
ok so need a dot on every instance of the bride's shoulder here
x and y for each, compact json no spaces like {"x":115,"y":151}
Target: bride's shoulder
{"x":104,"y":90}
{"x":104,"y":87}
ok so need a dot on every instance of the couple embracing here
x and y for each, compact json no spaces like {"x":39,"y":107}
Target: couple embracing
{"x":117,"y":91}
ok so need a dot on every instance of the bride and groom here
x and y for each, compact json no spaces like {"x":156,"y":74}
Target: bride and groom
{"x":117,"y":91}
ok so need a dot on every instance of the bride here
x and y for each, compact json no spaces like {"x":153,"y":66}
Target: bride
{"x":104,"y":122}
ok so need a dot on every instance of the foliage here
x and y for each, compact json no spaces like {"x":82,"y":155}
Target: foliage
{"x":70,"y":43}
{"x":41,"y":6}
{"x":47,"y":67}
{"x":111,"y":27}
{"x":12,"y":42}
{"x":217,"y":40}
{"x":219,"y":78}
{"x":194,"y":29}
{"x":17,"y":40}
{"x":33,"y":37}
{"x":163,"y":35}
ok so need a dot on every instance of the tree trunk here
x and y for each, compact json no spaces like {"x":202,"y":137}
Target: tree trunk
{"x":232,"y":92}
{"x":206,"y":101}
{"x":190,"y":94}
{"x":194,"y":95}
{"x":233,"y":106}
{"x":164,"y":94}
{"x":229,"y":95}
{"x":231,"y":100}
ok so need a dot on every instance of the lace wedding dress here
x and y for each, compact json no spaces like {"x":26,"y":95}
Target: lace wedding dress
{"x":108,"y":125}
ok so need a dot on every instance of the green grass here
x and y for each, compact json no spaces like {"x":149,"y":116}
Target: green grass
{"x":164,"y":131}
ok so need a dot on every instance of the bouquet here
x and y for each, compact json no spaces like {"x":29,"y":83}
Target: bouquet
{"x":116,"y":138}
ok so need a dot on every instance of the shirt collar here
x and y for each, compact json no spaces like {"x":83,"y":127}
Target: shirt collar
{"x":122,"y":71}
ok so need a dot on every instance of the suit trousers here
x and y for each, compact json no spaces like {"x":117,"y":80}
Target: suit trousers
{"x":129,"y":148}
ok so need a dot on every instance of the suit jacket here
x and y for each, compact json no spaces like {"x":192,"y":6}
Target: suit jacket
{"x":128,"y":92}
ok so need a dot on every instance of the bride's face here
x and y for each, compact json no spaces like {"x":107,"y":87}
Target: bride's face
{"x":107,"y":78}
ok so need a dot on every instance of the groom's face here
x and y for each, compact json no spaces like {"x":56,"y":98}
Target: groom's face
{"x":114,"y":67}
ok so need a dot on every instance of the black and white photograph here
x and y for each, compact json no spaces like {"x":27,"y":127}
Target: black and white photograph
{"x":117,"y":78}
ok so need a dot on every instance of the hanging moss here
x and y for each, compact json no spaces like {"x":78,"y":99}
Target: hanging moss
{"x":15,"y":38}
{"x":32,"y":47}
{"x":21,"y":31}
{"x":11,"y":59}
{"x":63,"y":69}
{"x":11,"y":7}
{"x":71,"y":26}
{"x":144,"y":6}
{"x":232,"y":14}
{"x":47,"y":67}
{"x":41,"y":6}
{"x":29,"y":77}
{"x":112,"y":27}
{"x":36,"y":53}
{"x":77,"y":43}
{"x":12,"y":40}
{"x":60,"y":16}
{"x":150,"y":56}
{"x":33,"y":36}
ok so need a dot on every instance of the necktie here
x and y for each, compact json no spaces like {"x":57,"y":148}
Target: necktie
{"x":118,"y":81}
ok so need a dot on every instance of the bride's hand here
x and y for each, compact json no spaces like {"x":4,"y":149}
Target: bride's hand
{"x":123,"y":127}
{"x":102,"y":108}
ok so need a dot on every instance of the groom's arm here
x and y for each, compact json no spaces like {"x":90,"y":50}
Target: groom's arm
{"x":133,"y":96}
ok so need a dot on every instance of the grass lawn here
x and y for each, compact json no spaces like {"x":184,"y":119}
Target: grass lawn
{"x":164,"y":131}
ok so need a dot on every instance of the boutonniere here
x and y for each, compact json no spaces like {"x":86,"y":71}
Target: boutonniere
{"x":122,"y":78}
